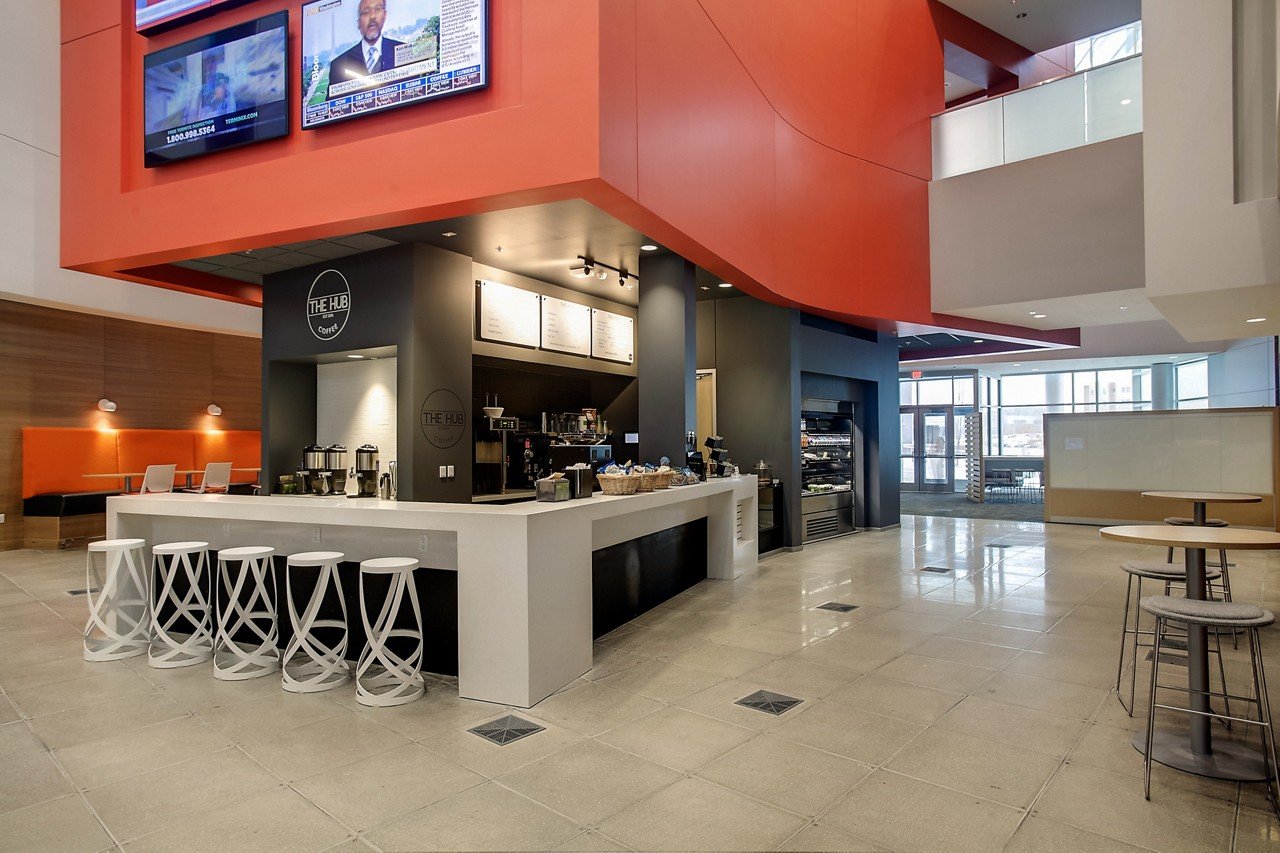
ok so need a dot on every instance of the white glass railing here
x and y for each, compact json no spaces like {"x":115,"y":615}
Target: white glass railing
{"x":1095,"y":105}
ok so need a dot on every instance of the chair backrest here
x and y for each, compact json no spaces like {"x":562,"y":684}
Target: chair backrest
{"x":1000,"y":475}
{"x":217,"y":477}
{"x":158,"y":478}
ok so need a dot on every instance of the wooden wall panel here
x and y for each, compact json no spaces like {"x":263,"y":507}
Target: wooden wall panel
{"x":55,"y":365}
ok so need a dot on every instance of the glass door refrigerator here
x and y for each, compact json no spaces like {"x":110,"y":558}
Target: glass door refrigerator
{"x":826,"y":469}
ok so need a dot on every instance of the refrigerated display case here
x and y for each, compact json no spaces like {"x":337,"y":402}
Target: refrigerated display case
{"x":827,"y":456}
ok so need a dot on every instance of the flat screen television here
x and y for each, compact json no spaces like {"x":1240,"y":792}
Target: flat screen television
{"x":365,"y":56}
{"x":220,"y":91}
{"x":155,"y":15}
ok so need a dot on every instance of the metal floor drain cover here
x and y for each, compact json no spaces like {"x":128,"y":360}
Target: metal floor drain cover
{"x":1167,"y":659}
{"x":937,"y":570}
{"x":82,"y":591}
{"x":837,"y":606}
{"x":769,"y":702}
{"x":505,"y":730}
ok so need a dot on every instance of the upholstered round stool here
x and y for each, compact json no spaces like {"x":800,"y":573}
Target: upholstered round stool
{"x":116,"y":580}
{"x":384,"y":677}
{"x":245,"y":644}
{"x":311,"y":664}
{"x":181,"y":618}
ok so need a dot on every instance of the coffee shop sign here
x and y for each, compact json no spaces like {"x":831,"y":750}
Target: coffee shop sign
{"x":328,"y":304}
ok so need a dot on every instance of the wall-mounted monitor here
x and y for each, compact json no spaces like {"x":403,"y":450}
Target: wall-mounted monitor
{"x":365,"y":56}
{"x":155,"y":15}
{"x":220,"y":91}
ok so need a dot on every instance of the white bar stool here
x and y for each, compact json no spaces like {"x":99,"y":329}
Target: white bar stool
{"x":256,"y":654}
{"x":116,"y":580}
{"x":310,"y":665}
{"x":384,"y":678}
{"x":171,"y":649}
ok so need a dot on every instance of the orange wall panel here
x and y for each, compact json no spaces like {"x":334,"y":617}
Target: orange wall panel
{"x":893,"y":222}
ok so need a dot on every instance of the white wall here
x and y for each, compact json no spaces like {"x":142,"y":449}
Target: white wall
{"x":1243,"y":375}
{"x":30,"y":192}
{"x":355,"y":405}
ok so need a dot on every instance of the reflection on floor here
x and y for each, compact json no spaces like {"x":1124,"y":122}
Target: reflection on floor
{"x":969,"y":710}
{"x":949,"y":505}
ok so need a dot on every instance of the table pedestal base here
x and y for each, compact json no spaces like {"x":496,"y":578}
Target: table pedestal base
{"x":1230,"y":761}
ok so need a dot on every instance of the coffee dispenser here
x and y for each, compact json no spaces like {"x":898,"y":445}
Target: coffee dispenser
{"x":335,"y":462}
{"x":367,"y":471}
{"x":311,"y":476}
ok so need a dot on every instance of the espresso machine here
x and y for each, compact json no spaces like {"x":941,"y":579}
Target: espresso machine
{"x":366,"y":471}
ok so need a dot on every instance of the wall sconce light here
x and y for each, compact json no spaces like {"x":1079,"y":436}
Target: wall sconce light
{"x":214,"y":409}
{"x":105,"y":405}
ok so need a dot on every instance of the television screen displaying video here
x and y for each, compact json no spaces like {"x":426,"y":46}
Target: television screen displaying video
{"x":364,"y":56}
{"x":156,"y":14}
{"x":217,"y":92}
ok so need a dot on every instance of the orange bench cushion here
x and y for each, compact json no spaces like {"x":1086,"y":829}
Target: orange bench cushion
{"x":242,"y":448}
{"x":139,"y":448}
{"x":55,"y":459}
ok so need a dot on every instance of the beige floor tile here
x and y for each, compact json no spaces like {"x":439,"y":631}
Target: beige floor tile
{"x":386,"y":786}
{"x":64,"y":824}
{"x":854,"y":653}
{"x":197,"y":690}
{"x":722,"y":660}
{"x":304,"y":751}
{"x":694,"y":814}
{"x":965,"y":651}
{"x":77,"y":692}
{"x":993,"y":634}
{"x":439,"y":711}
{"x":179,"y":792}
{"x":665,"y":682}
{"x":8,"y":713}
{"x":488,"y":817}
{"x":17,"y":741}
{"x":789,"y":775}
{"x":997,"y":614}
{"x":767,"y":640}
{"x":591,"y":708}
{"x":983,"y":768}
{"x":121,"y":756}
{"x":910,"y":815}
{"x":609,"y":661}
{"x":862,"y":736}
{"x":897,"y":699}
{"x":592,"y":842}
{"x":277,"y":711}
{"x":1089,"y":671}
{"x":115,"y":716}
{"x":278,"y":819}
{"x":1113,"y":806}
{"x":1069,"y":700}
{"x":677,"y":738}
{"x":1039,"y":731}
{"x":590,"y":781}
{"x":801,"y":678}
{"x":939,"y":674}
{"x":1257,"y":831}
{"x":824,"y":838}
{"x":32,"y":777}
{"x":721,"y":702}
{"x":1041,"y":835}
{"x":491,"y":760}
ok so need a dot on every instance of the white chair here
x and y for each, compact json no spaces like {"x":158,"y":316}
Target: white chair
{"x":157,"y":479}
{"x":310,"y":665}
{"x":180,"y":605}
{"x":116,"y":579}
{"x":383,"y":677}
{"x":217,"y":478}
{"x":245,"y":644}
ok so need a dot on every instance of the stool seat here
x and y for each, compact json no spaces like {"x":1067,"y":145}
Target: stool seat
{"x":388,"y":565}
{"x":245,"y":553}
{"x":106,"y":545}
{"x":1162,"y":571}
{"x":1221,"y":614}
{"x":1183,"y":521}
{"x":116,"y":588}
{"x":170,"y":548}
{"x":315,"y":559}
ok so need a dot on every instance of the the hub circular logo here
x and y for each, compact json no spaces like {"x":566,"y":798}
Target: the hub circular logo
{"x":443,"y":418}
{"x":328,"y":305}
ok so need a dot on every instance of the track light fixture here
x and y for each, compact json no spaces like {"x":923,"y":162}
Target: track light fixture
{"x":105,"y":405}
{"x":588,"y":267}
{"x":214,"y":409}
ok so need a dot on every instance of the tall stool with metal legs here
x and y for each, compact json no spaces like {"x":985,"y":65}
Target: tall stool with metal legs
{"x":1222,"y":616}
{"x":1163,"y":573}
{"x":311,"y":663}
{"x":384,"y":676}
{"x":116,"y":583}
{"x":245,"y":645}
{"x":181,"y":617}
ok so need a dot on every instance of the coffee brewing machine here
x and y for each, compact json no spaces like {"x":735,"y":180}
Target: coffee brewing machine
{"x":366,"y":472}
{"x":323,"y":471}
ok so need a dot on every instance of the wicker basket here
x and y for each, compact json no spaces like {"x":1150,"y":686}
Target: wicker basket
{"x":648,"y":481}
{"x":664,"y":479}
{"x":618,"y":484}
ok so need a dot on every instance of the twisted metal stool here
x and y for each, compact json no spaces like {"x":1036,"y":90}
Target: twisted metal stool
{"x":257,"y":654}
{"x":310,"y":665}
{"x":384,"y":678}
{"x":173,"y":606}
{"x":118,"y":625}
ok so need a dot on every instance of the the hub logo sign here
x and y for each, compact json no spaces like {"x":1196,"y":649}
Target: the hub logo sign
{"x":328,"y":305}
{"x":443,"y":420}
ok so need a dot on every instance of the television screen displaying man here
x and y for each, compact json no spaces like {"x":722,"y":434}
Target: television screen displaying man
{"x":374,"y":52}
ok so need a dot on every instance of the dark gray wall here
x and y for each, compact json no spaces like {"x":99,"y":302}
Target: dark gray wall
{"x":666,"y":356}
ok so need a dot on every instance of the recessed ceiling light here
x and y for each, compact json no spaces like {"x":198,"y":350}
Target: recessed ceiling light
{"x":706,"y":287}
{"x":1124,"y":307}
{"x":1256,"y":320}
{"x":727,"y":284}
{"x":1019,"y":364}
{"x":1038,"y":316}
{"x":648,"y":247}
{"x":979,"y":341}
{"x":353,"y":355}
{"x":1126,"y":102}
{"x":449,"y":234}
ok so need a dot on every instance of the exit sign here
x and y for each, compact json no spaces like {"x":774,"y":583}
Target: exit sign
{"x":916,"y":374}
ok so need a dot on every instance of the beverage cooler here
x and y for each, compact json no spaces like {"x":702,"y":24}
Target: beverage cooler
{"x":827,"y":465}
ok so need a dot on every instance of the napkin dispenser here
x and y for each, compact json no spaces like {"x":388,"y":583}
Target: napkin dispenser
{"x":554,"y":488}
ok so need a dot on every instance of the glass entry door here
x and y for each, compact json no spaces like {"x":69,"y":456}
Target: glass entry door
{"x":928,"y":448}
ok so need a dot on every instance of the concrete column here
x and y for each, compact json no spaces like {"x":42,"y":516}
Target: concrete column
{"x":1164,"y":386}
{"x":666,"y":356}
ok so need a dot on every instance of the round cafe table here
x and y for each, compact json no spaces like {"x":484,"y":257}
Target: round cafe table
{"x":1201,"y":500}
{"x":1197,"y":753}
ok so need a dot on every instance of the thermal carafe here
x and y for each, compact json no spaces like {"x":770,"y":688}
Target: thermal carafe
{"x":367,"y":471}
{"x":335,"y":462}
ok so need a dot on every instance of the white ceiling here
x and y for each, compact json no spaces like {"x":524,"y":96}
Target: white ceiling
{"x":958,"y":87}
{"x":1068,"y":312}
{"x":1049,"y":23}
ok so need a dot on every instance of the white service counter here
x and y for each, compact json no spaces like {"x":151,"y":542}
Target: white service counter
{"x":524,"y":570}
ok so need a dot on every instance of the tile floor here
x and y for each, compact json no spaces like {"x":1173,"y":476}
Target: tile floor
{"x":962,"y":711}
